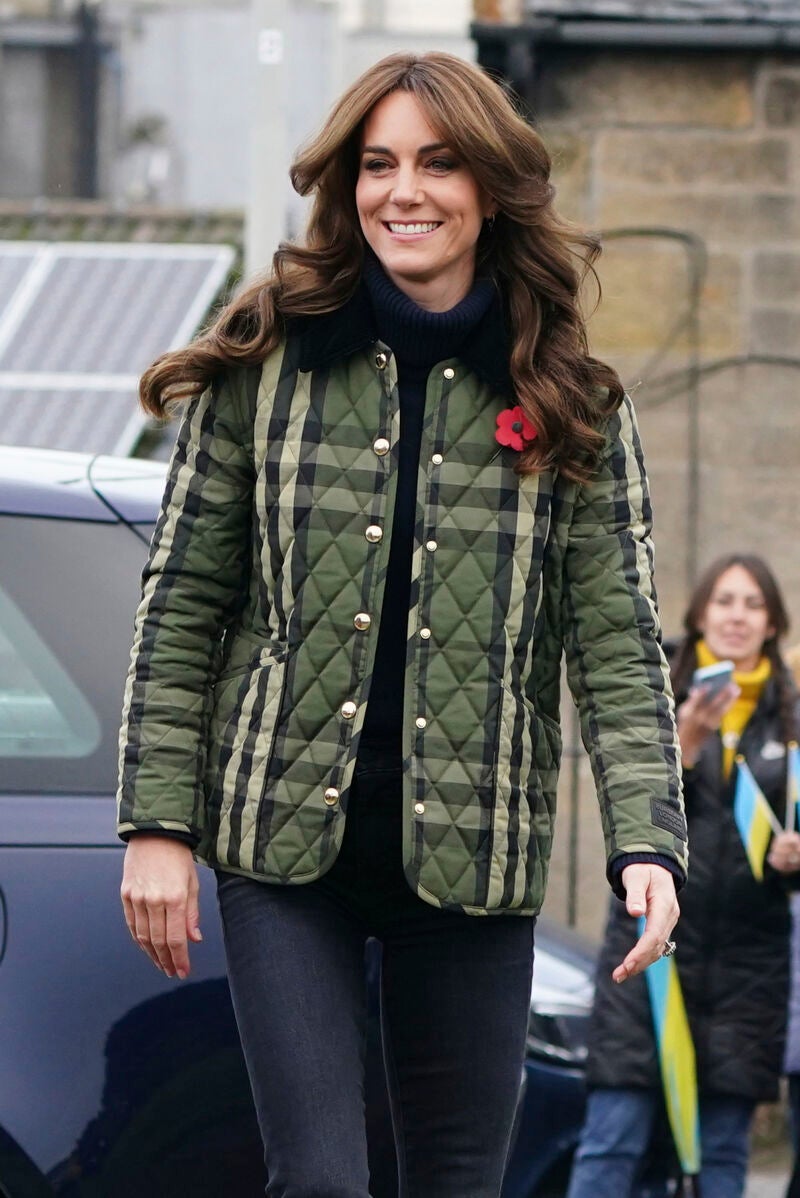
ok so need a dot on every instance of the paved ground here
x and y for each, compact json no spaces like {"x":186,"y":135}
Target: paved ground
{"x":769,"y":1172}
{"x":767,"y":1185}
{"x":763,"y":1184}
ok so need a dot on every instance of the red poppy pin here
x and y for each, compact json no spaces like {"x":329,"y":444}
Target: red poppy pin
{"x":514,"y":428}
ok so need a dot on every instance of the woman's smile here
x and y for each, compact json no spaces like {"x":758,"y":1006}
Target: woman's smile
{"x":420,"y":207}
{"x":417,"y":229}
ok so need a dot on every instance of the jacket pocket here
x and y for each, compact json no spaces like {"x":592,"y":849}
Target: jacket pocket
{"x":241,"y":737}
{"x":523,"y":811}
{"x":528,"y":752}
{"x":247,"y":654}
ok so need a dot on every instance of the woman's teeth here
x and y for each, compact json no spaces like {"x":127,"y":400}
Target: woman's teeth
{"x":394,"y":227}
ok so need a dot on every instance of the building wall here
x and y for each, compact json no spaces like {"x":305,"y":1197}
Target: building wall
{"x":694,"y":162}
{"x":189,"y":100}
{"x":38,"y":115}
{"x":23,"y":125}
{"x":408,"y":16}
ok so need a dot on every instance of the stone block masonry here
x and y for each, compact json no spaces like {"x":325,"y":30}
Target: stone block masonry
{"x":703,"y":144}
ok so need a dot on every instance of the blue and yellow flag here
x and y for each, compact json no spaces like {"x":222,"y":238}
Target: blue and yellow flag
{"x":754,"y":817}
{"x":676,"y":1059}
{"x":792,"y":786}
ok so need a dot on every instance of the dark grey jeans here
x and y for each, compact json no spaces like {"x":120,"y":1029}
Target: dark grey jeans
{"x":455,"y":992}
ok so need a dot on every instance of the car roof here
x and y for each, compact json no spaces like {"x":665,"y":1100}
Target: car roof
{"x":77,"y":486}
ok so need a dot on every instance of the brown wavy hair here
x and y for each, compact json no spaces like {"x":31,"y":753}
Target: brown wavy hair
{"x":685,"y":659}
{"x":537,"y":260}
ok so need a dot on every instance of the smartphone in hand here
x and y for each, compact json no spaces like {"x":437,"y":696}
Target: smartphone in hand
{"x":713,"y":678}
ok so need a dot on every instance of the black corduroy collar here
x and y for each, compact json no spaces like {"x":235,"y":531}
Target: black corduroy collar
{"x":324,"y":339}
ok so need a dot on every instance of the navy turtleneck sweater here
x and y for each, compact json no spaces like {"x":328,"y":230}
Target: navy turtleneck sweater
{"x":418,"y":339}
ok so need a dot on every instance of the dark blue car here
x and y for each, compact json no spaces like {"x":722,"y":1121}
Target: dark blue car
{"x":116,"y":1082}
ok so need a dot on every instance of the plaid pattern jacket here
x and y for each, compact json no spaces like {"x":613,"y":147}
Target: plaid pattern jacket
{"x":256,"y":633}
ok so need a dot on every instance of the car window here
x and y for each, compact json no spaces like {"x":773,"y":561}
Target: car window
{"x":68,"y":593}
{"x":42,"y":712}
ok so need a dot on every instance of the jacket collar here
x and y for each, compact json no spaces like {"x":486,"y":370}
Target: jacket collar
{"x":322,"y":340}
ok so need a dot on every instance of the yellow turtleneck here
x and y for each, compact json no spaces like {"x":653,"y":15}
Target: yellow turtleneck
{"x":750,"y":683}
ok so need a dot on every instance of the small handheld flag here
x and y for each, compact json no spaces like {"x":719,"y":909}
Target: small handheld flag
{"x":754,"y":817}
{"x":676,"y":1059}
{"x":792,"y":786}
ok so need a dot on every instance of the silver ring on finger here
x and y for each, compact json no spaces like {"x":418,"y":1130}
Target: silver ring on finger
{"x":669,"y":948}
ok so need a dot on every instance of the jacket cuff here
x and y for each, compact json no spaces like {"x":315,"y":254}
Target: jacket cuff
{"x":615,"y":873}
{"x":167,"y":833}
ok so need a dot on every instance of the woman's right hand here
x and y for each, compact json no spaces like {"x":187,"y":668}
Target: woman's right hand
{"x":784,"y":853}
{"x":160,"y":899}
{"x":699,"y":716}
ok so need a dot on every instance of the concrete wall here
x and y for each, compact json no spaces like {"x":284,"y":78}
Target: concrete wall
{"x":38,"y":110}
{"x":184,"y":84}
{"x":23,"y":123}
{"x":407,"y":16}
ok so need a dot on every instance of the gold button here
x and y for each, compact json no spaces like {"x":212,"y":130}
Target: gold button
{"x":331,"y":796}
{"x":425,"y":633}
{"x":449,"y":373}
{"x":437,"y":459}
{"x":362,"y":621}
{"x":419,"y":808}
{"x":381,"y":446}
{"x":380,"y":361}
{"x":431,"y":546}
{"x":421,"y":722}
{"x":374,"y":533}
{"x":349,"y":709}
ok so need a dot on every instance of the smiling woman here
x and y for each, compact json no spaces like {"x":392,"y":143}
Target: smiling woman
{"x":738,"y":619}
{"x":402,"y":489}
{"x":421,"y":209}
{"x":732,"y":957}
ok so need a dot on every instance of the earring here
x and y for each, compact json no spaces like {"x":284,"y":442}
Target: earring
{"x":490,"y":222}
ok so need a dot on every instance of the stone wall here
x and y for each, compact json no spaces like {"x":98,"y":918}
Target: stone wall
{"x":693,"y":162}
{"x":689,"y":164}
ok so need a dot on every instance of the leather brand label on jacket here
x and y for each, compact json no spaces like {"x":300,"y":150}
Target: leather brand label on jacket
{"x":667,"y":818}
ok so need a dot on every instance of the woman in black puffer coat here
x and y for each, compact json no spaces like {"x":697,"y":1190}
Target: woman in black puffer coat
{"x":733,"y":934}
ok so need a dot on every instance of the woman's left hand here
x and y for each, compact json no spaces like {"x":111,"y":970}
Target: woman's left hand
{"x":784,"y":852}
{"x":649,"y":891}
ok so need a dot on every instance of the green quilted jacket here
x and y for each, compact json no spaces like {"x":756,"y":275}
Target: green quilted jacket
{"x":255,"y":636}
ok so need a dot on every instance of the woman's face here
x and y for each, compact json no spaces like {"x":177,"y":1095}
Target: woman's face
{"x":420,"y":208}
{"x":736,"y":623}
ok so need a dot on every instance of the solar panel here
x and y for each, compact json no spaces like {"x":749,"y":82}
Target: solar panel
{"x":72,"y":420}
{"x":79,"y":322}
{"x":13,"y":267}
